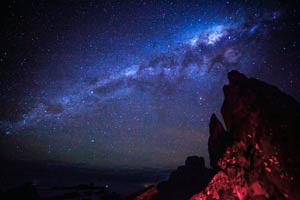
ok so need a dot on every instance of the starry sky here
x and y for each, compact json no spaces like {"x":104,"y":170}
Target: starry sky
{"x":132,"y":84}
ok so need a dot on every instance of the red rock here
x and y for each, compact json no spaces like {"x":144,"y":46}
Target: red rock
{"x":257,"y":153}
{"x":263,"y":160}
{"x":148,"y":194}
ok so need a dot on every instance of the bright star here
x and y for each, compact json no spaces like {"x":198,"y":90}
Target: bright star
{"x":193,"y":41}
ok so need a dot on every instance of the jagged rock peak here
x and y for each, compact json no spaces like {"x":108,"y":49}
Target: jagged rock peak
{"x":218,"y":140}
{"x":236,"y":76}
{"x":262,"y":162}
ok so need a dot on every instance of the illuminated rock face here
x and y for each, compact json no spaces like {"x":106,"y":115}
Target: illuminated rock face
{"x":262,"y":161}
{"x":218,"y":140}
{"x":256,"y":155}
{"x":148,"y":194}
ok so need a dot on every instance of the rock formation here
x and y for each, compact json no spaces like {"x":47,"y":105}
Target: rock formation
{"x":147,"y":194}
{"x":218,"y":140}
{"x":262,"y":162}
{"x":183,"y":183}
{"x":255,"y":157}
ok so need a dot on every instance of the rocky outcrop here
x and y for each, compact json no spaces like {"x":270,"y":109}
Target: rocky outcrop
{"x":262,"y":162}
{"x":147,"y":194}
{"x":255,"y":157}
{"x":218,"y":140}
{"x":186,"y":180}
{"x":183,"y":183}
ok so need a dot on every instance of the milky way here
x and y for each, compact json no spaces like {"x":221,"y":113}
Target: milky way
{"x":140,"y":91}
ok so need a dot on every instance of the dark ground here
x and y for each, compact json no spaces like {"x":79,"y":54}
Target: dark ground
{"x":52,"y":179}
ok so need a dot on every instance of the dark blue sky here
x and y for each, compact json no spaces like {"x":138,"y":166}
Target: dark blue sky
{"x":132,"y":84}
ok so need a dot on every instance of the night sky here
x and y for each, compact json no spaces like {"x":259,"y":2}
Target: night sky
{"x":132,"y":84}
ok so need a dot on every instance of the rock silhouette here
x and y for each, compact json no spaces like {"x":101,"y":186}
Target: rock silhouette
{"x":254,"y":157}
{"x":262,"y":161}
{"x":183,"y":183}
{"x":218,"y":140}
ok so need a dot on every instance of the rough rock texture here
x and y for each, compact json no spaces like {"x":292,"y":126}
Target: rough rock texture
{"x":218,"y":140}
{"x":147,"y":194}
{"x":262,"y":162}
{"x":256,"y":155}
{"x":184,"y":182}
